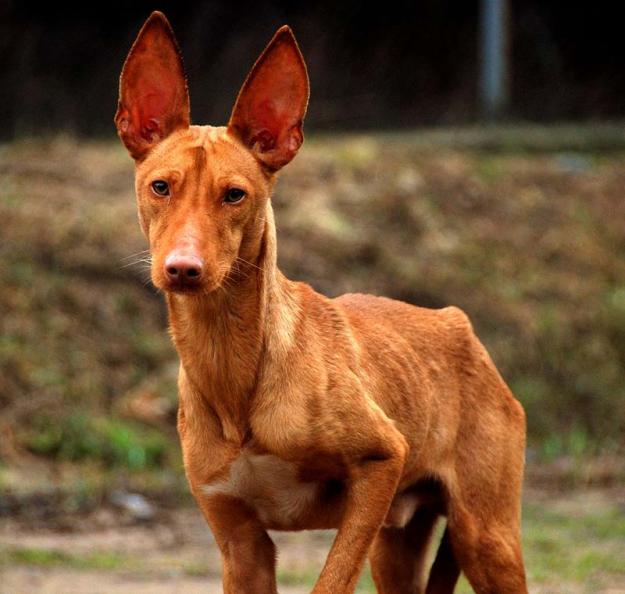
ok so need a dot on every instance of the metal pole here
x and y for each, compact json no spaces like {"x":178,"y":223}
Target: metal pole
{"x":494,"y":91}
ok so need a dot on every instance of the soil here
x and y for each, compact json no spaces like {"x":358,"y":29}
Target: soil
{"x":161,"y":557}
{"x":102,"y":553}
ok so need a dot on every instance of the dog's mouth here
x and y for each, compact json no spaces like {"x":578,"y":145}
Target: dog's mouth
{"x":187,"y":285}
{"x":184,"y":288}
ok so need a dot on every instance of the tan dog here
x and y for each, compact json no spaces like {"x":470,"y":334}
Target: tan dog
{"x":298,"y":411}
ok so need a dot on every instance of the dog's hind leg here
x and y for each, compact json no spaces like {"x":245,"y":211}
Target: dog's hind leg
{"x":398,"y":556}
{"x":489,"y":553}
{"x":445,"y":571}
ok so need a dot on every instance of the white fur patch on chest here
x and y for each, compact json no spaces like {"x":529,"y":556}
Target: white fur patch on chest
{"x":269,"y":485}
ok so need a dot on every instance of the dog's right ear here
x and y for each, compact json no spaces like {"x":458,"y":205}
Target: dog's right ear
{"x":153,"y":96}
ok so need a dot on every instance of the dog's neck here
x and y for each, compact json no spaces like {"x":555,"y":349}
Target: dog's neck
{"x":225,"y":338}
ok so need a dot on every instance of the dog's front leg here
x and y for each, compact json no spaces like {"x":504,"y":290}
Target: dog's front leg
{"x":372,"y":484}
{"x":248,"y":553}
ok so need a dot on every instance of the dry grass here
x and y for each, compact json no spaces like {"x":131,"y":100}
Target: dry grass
{"x":529,"y":242}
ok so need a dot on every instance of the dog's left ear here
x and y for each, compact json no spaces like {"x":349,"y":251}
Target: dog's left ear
{"x":269,"y":113}
{"x":153,"y":96}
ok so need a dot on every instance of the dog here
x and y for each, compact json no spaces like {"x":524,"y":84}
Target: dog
{"x":360,"y":413}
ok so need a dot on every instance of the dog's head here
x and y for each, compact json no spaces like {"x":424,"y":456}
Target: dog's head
{"x":202,"y":191}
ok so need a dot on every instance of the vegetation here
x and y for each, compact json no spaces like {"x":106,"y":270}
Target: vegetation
{"x":41,"y":557}
{"x":80,"y":437}
{"x":526,"y":235}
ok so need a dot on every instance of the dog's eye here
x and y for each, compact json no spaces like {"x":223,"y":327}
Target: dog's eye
{"x":234,"y":195}
{"x":160,"y":187}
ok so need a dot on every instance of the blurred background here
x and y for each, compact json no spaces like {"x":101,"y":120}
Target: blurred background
{"x":373,"y":66}
{"x":468,"y":153}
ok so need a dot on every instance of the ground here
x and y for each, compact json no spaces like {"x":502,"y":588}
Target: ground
{"x":573,"y":541}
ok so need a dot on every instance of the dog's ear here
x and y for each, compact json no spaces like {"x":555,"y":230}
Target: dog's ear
{"x":269,"y":113}
{"x":153,"y":96}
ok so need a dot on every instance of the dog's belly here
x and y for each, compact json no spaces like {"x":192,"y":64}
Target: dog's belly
{"x":270,"y":486}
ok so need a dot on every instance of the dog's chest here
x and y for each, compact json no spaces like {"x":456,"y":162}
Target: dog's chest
{"x":269,"y":485}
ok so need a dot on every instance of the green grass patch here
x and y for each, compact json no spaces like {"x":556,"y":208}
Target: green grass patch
{"x":116,"y":442}
{"x":47,"y":558}
{"x":572,"y":546}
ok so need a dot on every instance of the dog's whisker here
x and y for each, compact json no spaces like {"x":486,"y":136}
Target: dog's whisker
{"x":239,"y":259}
{"x":147,"y":260}
{"x":136,"y":254}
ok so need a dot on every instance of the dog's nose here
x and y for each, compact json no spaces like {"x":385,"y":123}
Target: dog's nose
{"x":183,"y":268}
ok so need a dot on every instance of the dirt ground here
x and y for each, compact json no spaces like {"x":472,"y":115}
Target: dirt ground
{"x":176,"y":555}
{"x":573,"y":542}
